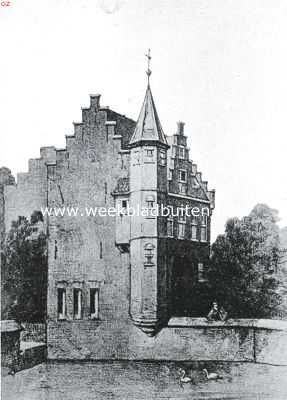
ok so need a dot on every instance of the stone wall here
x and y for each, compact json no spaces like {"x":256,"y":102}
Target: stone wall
{"x":10,"y":344}
{"x":183,"y":339}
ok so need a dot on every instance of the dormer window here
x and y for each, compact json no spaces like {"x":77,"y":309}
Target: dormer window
{"x":149,"y":254}
{"x":182,"y":175}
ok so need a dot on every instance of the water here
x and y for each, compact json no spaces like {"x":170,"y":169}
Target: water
{"x":143,"y":380}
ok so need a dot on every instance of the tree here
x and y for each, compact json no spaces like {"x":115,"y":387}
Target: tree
{"x":242,"y":272}
{"x":25,"y":270}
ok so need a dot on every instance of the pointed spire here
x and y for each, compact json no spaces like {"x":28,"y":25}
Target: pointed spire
{"x":148,"y":72}
{"x":148,"y":127}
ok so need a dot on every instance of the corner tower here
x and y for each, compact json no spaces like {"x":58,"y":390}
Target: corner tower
{"x":148,"y":189}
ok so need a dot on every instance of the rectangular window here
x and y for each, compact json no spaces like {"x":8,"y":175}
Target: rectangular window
{"x":94,"y":303}
{"x":62,"y":305}
{"x":149,"y":152}
{"x":162,"y":158}
{"x":182,"y":175}
{"x":203,"y":234}
{"x":201,"y":273}
{"x":169,"y":226}
{"x":181,"y":153}
{"x":194,"y":221}
{"x":181,"y":230}
{"x":77,"y":294}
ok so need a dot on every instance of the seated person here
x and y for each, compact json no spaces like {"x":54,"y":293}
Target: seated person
{"x":216,"y":314}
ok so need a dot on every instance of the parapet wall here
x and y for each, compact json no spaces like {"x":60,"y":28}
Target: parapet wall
{"x":183,"y":339}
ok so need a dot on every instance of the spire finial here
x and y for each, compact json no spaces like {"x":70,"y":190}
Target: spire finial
{"x":148,"y":72}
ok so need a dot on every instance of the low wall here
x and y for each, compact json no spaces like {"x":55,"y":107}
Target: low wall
{"x":183,"y":339}
{"x":10,"y":344}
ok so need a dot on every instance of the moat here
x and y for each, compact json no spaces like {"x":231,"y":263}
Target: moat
{"x":145,"y":380}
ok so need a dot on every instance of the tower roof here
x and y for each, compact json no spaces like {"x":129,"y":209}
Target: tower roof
{"x":148,"y":127}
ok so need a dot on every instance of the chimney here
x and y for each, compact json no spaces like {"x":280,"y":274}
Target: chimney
{"x":180,"y":128}
{"x":95,"y":101}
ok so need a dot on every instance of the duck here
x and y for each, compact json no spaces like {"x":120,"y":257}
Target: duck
{"x":212,"y":376}
{"x":183,"y":378}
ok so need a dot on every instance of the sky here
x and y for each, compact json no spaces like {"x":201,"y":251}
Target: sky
{"x":218,"y":65}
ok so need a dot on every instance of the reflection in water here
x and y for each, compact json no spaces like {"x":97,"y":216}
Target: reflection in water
{"x":139,"y":380}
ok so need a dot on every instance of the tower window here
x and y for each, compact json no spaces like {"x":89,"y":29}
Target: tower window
{"x":150,"y":201}
{"x":149,"y":152}
{"x":62,"y":306}
{"x":94,"y":303}
{"x":162,"y":158}
{"x":149,"y":254}
{"x":77,"y":294}
{"x":136,"y":158}
{"x":181,"y":153}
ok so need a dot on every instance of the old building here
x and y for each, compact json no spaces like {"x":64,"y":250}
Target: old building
{"x":115,"y":281}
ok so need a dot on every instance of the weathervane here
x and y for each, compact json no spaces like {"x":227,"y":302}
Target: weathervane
{"x":148,"y":72}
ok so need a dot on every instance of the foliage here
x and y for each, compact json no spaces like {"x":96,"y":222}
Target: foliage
{"x":25,"y":271}
{"x":242,"y":273}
